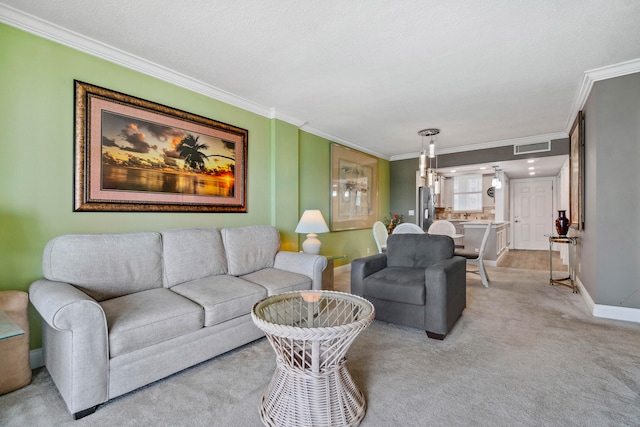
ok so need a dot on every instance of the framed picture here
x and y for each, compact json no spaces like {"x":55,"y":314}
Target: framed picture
{"x":354,"y":189}
{"x":138,"y":156}
{"x":576,"y":173}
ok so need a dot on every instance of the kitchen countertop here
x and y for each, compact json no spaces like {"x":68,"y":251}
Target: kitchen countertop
{"x":480,"y":223}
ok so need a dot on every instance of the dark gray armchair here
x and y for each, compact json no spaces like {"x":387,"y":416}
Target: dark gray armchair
{"x":418,"y":282}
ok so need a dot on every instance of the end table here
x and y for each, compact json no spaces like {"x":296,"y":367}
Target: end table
{"x":570,"y":279}
{"x":311,"y":331}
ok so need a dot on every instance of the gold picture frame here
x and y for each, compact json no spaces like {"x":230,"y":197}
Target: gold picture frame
{"x":134,"y":155}
{"x":354,"y":189}
{"x":576,"y":173}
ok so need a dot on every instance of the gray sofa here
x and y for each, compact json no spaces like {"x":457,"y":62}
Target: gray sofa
{"x":123,"y":310}
{"x":417,"y":282}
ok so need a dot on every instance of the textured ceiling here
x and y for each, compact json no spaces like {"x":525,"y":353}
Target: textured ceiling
{"x":372,"y":73}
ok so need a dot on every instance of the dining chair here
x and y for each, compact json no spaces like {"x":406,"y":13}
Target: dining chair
{"x":380,"y":235}
{"x":474,"y":258}
{"x":407,"y":227}
{"x":442,"y":226}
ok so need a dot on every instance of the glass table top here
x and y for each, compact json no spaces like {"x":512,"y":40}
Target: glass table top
{"x":8,"y":328}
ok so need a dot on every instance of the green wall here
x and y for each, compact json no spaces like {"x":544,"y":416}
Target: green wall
{"x":288,"y":170}
{"x":315,"y":193}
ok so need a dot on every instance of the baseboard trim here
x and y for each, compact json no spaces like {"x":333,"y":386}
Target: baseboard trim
{"x":617,"y":313}
{"x":36,"y":358}
{"x":611,"y":312}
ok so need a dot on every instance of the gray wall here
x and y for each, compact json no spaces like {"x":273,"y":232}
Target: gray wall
{"x":402,"y":175}
{"x":488,"y":155}
{"x":609,"y":249}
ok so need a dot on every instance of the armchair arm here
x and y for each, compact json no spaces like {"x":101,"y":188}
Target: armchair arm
{"x":446,"y":287}
{"x":76,"y":342}
{"x":301,"y":263}
{"x":364,"y":267}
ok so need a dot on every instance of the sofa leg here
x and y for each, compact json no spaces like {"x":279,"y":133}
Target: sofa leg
{"x":85,"y":412}
{"x":435,"y":336}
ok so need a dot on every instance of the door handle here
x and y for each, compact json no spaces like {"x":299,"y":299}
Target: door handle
{"x":517,"y":220}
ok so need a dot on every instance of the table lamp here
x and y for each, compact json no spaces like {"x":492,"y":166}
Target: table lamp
{"x":312,"y":223}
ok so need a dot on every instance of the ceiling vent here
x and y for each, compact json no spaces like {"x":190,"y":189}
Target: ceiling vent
{"x":536,"y":147}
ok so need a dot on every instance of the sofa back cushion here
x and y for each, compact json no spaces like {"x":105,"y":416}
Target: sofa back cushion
{"x":250,"y":248}
{"x":191,"y":254}
{"x":105,"y":265}
{"x":418,"y":250}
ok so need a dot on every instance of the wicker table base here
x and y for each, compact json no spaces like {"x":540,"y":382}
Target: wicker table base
{"x":311,"y":333}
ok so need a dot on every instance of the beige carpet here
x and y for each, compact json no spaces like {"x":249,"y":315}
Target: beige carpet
{"x":523,"y":354}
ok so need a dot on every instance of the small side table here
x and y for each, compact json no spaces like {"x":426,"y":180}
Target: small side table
{"x":8,"y":328}
{"x":311,"y":331}
{"x":327,"y":274}
{"x":15,"y":371}
{"x":569,"y":281}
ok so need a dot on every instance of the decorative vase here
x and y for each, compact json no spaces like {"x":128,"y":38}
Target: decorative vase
{"x":562,"y":223}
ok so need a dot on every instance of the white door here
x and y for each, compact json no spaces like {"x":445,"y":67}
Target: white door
{"x":532,"y":213}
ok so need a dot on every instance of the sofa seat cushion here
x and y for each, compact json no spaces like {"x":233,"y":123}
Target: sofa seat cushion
{"x":277,"y":281}
{"x":400,"y":284}
{"x":223,"y":297}
{"x":149,"y":317}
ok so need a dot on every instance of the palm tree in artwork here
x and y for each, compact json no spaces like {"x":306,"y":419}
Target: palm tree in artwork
{"x":190,"y":151}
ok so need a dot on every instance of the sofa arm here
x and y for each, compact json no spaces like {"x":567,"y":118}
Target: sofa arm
{"x":446,"y":294}
{"x":76,"y":343}
{"x":308,"y":265}
{"x":364,"y":267}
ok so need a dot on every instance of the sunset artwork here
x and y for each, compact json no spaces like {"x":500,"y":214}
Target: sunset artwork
{"x":138,"y":156}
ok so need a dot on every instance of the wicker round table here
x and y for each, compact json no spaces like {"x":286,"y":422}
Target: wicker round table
{"x":311,"y":332}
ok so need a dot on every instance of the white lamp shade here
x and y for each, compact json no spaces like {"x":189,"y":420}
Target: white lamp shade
{"x":312,"y":222}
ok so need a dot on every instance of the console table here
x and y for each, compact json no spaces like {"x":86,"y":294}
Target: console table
{"x":570,"y":279}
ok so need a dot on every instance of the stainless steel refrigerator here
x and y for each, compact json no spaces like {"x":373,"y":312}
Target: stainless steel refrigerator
{"x":426,"y":207}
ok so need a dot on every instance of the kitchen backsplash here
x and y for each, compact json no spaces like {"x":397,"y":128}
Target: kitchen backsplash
{"x":488,"y":212}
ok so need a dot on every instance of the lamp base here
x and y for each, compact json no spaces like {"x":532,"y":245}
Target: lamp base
{"x":311,"y":245}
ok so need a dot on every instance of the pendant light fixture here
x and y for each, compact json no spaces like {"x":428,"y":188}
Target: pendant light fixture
{"x":496,"y":182}
{"x":428,"y":169}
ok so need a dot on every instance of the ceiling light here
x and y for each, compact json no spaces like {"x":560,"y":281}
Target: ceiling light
{"x":453,"y":171}
{"x":530,"y":161}
{"x":531,"y":168}
{"x":532,"y":173}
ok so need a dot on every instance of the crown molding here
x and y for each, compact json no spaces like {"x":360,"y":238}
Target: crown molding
{"x":594,"y":75}
{"x":50,"y":31}
{"x":55,"y":33}
{"x":47,"y":30}
{"x":275,"y":114}
{"x":485,"y":145}
{"x":333,"y":138}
